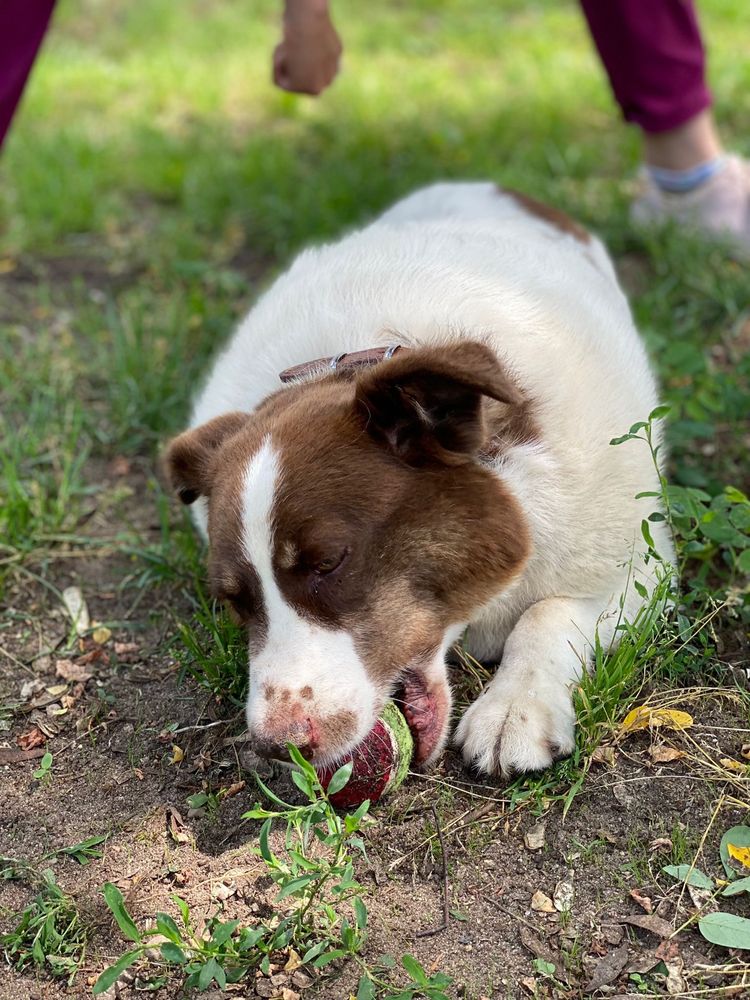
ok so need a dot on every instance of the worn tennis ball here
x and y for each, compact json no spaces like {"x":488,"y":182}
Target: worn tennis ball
{"x":381,"y":761}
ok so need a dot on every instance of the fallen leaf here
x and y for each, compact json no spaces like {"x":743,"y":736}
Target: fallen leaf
{"x":138,"y":773}
{"x":57,"y":689}
{"x":661,"y":843}
{"x":71,"y":671}
{"x":645,"y":717}
{"x":534,"y":838}
{"x":178,"y":754}
{"x":31,"y":739}
{"x":675,"y":980}
{"x":541,"y":902}
{"x":223,"y":890}
{"x":563,"y":896}
{"x":30,"y":688}
{"x":666,"y":950}
{"x":101,"y":635}
{"x":529,"y":984}
{"x":733,"y":765}
{"x":176,"y":827}
{"x":18,"y":756}
{"x":293,"y":962}
{"x":643,"y":901}
{"x":94,"y":654}
{"x":665,"y":755}
{"x":120,"y":466}
{"x":77,"y":609}
{"x":124,"y":650}
{"x":656,"y":925}
{"x":608,"y":969}
{"x":234,"y":789}
{"x":604,"y":755}
{"x":741,"y":854}
{"x":701,"y":898}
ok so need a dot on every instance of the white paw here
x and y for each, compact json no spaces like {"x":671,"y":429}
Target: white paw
{"x":514,"y":726}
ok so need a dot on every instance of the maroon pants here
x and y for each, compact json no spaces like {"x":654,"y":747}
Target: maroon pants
{"x":651,"y":49}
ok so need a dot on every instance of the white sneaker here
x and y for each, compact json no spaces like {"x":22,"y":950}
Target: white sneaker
{"x":719,"y":208}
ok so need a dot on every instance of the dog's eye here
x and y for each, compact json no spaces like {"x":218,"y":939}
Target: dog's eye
{"x":330,"y":563}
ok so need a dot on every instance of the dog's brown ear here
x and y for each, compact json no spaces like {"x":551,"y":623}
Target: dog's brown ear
{"x":427,"y":404}
{"x":188,"y":459}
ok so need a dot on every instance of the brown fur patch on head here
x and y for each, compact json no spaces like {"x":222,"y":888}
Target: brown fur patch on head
{"x":386,"y":523}
{"x":550,"y":214}
{"x":384,"y":490}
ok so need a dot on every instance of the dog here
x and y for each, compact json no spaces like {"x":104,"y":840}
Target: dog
{"x":405,"y":444}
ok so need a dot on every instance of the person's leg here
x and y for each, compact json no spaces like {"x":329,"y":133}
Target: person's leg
{"x":655,"y":59}
{"x":22,"y":27}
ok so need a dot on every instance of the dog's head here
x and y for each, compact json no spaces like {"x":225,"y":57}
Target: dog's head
{"x":354,"y":530}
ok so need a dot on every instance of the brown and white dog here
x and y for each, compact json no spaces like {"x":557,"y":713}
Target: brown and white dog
{"x":363,"y":516}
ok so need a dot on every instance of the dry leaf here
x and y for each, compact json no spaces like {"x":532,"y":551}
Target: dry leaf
{"x":604,"y":755}
{"x":293,"y":962}
{"x":138,"y":773}
{"x":534,"y":838}
{"x":77,"y":608}
{"x":660,"y":843}
{"x":665,"y":755}
{"x":608,"y":969}
{"x":57,"y":689}
{"x":741,"y":854}
{"x":234,"y":789}
{"x":223,"y":890}
{"x":675,"y":984}
{"x":18,"y":756}
{"x":643,"y":901}
{"x":178,"y":754}
{"x":31,"y":688}
{"x":657,"y":925}
{"x":529,"y":984}
{"x":101,"y":635}
{"x":31,"y":739}
{"x":176,"y":827}
{"x":123,"y":650}
{"x":645,"y":717}
{"x":733,"y":765}
{"x":542,"y":903}
{"x":563,"y":896}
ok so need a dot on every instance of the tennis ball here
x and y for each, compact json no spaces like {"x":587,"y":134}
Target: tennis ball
{"x":381,"y":761}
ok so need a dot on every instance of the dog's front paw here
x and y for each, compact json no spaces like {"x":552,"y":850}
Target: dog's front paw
{"x":513,"y":727}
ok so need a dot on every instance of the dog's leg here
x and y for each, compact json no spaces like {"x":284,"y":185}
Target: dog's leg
{"x":525,"y":717}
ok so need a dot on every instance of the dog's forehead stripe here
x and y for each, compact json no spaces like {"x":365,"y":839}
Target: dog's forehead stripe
{"x":258,"y":491}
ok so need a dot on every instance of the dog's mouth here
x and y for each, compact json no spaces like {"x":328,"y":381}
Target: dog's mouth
{"x":425,"y":709}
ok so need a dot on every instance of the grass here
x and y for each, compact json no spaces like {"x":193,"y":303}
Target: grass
{"x":155,"y":181}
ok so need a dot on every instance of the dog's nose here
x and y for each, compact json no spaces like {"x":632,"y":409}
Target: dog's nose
{"x":273,"y":745}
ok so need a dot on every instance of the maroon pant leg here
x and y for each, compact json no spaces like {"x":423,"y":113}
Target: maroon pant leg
{"x":653,"y":54}
{"x":22,"y":27}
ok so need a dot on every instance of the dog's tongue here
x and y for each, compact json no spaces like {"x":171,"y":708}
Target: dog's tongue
{"x":423,"y":716}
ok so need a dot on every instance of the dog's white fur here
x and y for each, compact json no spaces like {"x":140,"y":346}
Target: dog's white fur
{"x":465,"y":261}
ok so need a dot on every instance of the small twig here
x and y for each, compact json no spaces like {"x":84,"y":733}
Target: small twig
{"x":446,"y":912}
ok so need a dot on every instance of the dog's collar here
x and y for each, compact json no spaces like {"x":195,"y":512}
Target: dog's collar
{"x":356,"y":359}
